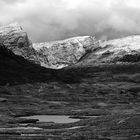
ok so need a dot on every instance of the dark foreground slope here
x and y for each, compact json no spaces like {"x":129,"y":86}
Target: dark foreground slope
{"x":15,"y":69}
{"x":106,"y":98}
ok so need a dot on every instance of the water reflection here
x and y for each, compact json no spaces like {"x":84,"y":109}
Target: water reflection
{"x":53,"y":118}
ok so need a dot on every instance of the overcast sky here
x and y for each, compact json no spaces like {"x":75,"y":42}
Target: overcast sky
{"x":47,"y":20}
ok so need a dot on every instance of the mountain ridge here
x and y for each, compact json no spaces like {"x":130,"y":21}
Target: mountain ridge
{"x":78,"y":50}
{"x":123,"y":50}
{"x":62,"y":53}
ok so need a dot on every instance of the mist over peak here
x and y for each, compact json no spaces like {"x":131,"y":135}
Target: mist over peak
{"x":47,"y":20}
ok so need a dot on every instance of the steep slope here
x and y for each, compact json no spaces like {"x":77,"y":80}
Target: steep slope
{"x":116,"y":51}
{"x":15,"y":69}
{"x":16,"y":39}
{"x":64,"y":53}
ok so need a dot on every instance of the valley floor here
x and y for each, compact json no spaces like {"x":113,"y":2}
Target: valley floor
{"x":113,"y":98}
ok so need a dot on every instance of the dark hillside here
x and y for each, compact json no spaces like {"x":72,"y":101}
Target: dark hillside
{"x":15,"y":69}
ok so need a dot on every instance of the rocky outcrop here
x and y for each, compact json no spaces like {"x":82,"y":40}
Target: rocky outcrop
{"x":123,"y":50}
{"x":59,"y":54}
{"x":16,"y":40}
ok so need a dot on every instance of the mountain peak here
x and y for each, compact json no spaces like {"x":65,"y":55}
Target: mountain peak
{"x":14,"y":38}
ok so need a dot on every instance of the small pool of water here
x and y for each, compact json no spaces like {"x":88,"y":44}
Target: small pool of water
{"x":53,"y":118}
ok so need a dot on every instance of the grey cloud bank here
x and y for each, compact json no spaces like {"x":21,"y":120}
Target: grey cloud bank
{"x":47,"y":20}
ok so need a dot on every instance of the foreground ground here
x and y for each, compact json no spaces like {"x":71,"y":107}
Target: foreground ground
{"x":111,"y":94}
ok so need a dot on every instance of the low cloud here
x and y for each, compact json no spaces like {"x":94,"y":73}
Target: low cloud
{"x":47,"y":20}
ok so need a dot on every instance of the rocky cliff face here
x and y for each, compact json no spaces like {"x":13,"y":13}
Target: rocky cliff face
{"x":123,"y":50}
{"x":78,"y":50}
{"x":16,"y":39}
{"x":64,"y":53}
{"x":57,"y":54}
{"x":87,"y":50}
